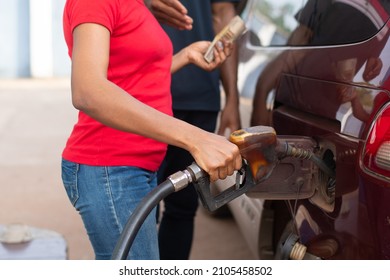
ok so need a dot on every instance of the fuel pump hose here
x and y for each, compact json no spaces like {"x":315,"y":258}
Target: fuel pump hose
{"x":137,"y":218}
{"x":174,"y":183}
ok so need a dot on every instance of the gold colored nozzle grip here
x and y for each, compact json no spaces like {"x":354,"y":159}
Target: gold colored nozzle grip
{"x":257,"y":146}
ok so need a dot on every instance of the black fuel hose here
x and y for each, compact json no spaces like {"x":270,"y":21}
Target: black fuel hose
{"x":138,"y":217}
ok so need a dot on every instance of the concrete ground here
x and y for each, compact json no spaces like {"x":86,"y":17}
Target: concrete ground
{"x":36,"y":117}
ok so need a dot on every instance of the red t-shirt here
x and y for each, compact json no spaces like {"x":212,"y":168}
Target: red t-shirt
{"x":140,"y":61}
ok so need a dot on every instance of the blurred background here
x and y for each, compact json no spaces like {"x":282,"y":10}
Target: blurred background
{"x":32,"y":43}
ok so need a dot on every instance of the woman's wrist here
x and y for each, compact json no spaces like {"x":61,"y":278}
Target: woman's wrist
{"x":180,"y":59}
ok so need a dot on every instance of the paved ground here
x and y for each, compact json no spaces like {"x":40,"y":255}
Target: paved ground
{"x":36,"y":117}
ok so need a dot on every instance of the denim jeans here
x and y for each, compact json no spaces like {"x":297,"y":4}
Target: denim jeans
{"x":105,"y":197}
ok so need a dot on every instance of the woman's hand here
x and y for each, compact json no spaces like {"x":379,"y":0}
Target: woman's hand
{"x":215,"y":154}
{"x":195,"y":52}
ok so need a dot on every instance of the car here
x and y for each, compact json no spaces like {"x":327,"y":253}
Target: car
{"x":327,"y":95}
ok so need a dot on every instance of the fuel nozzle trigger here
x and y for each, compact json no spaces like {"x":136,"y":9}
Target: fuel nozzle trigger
{"x":241,"y":175}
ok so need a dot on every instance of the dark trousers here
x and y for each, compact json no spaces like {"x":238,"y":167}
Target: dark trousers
{"x":177,"y":222}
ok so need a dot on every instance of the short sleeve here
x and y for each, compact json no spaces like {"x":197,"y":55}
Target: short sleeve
{"x":104,"y":12}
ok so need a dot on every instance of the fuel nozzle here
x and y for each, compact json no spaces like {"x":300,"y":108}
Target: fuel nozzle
{"x":262,"y":151}
{"x":257,"y":146}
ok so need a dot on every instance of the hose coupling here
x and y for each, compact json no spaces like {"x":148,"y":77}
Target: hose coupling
{"x":182,"y":179}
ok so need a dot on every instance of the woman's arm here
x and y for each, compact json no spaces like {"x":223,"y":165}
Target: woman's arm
{"x":99,"y":98}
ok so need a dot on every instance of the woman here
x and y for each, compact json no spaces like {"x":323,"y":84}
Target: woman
{"x":121,"y":68}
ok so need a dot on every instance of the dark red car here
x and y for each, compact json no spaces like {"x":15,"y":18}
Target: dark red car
{"x":326,"y":90}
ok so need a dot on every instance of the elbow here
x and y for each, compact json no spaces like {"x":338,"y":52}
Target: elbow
{"x":82,"y":98}
{"x":87,"y":88}
{"x":78,"y":100}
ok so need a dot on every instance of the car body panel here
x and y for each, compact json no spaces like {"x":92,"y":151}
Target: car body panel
{"x":348,"y":218}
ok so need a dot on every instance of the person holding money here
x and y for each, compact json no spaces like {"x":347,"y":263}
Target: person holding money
{"x":120,"y":84}
{"x":196,"y":100}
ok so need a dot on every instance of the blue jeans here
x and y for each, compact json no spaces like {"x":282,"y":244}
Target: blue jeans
{"x":105,"y":197}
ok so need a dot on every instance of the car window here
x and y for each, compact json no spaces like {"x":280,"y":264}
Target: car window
{"x":313,"y":22}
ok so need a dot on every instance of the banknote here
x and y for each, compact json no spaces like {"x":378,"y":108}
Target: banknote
{"x":230,"y":32}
